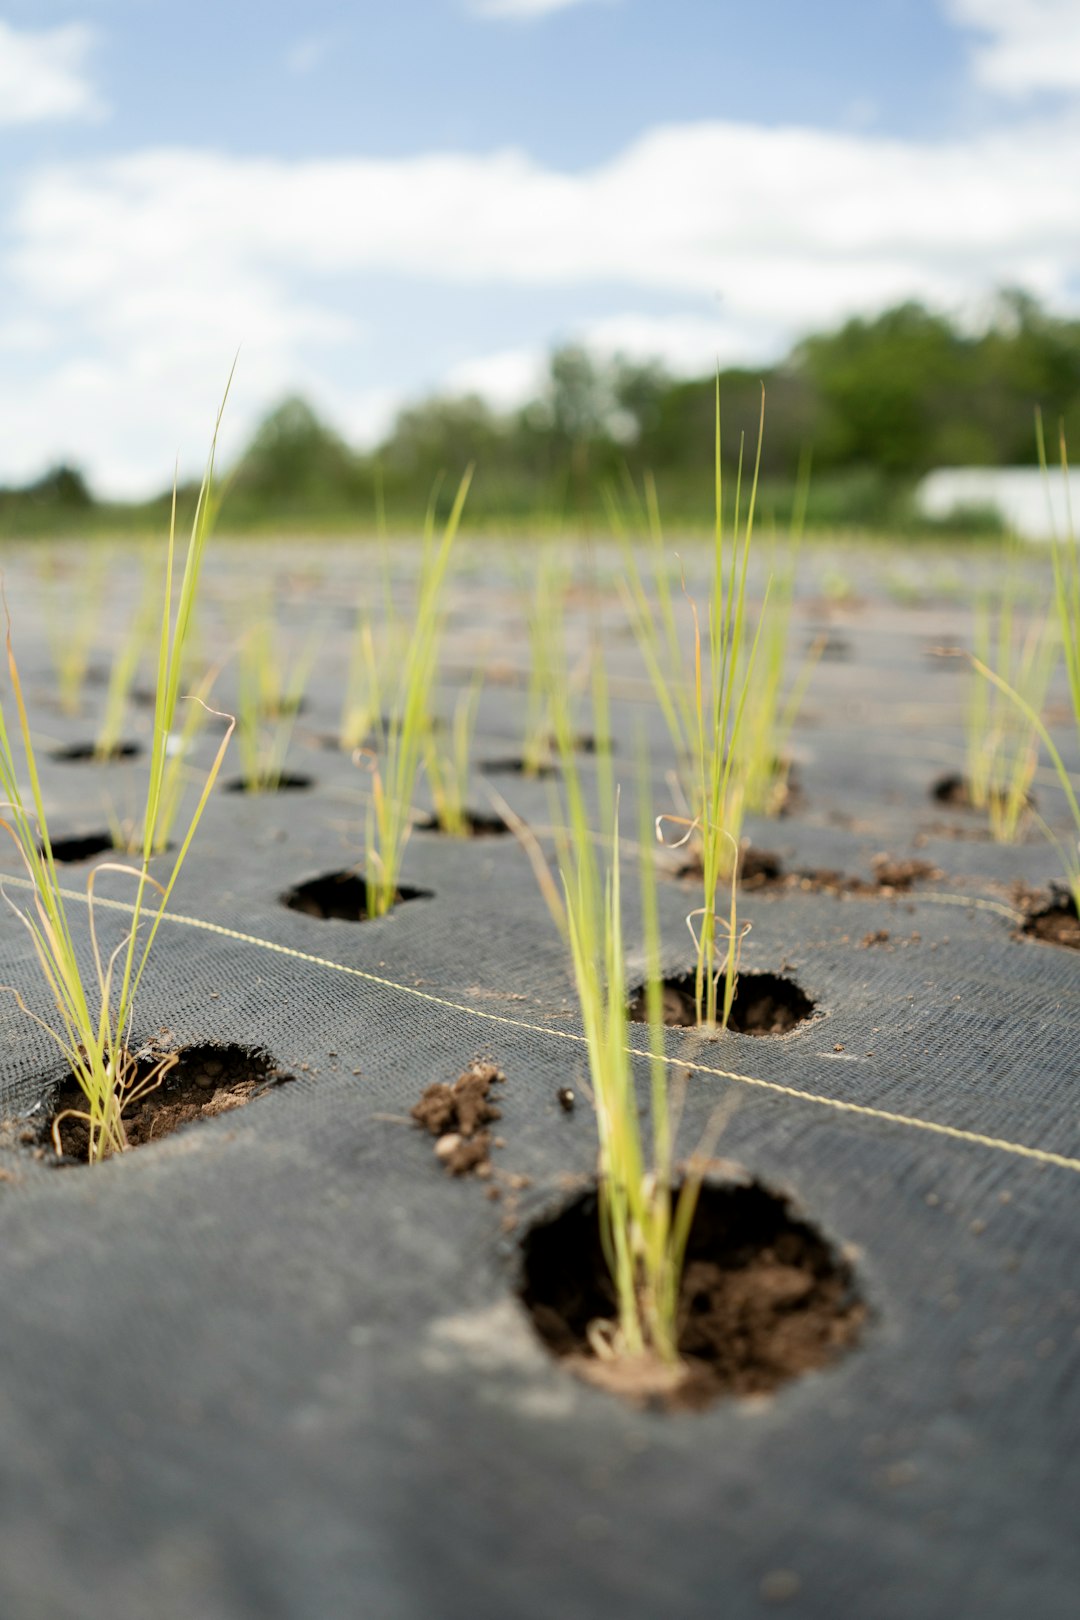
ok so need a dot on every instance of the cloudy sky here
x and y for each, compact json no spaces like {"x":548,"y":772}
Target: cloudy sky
{"x":381,"y":198}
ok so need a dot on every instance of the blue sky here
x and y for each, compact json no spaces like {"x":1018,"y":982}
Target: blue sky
{"x":380,"y":200}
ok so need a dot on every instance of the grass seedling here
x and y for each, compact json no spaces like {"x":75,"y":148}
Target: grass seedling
{"x":362,"y":700}
{"x":95,"y":1010}
{"x":74,"y":624}
{"x":131,"y":836}
{"x":270,"y":690}
{"x":125,"y":667}
{"x":398,"y":749}
{"x":447,"y":769}
{"x":1066,"y":606}
{"x":644,"y":1221}
{"x":772,"y":704}
{"x":544,"y":617}
{"x":704,"y":697}
{"x":370,"y":655}
{"x":1001,"y":745}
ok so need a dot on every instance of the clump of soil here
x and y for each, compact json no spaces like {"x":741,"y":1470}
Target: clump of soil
{"x":764,"y":1004}
{"x":896,"y":877}
{"x":208,"y":1080}
{"x":341,"y":896}
{"x":1056,"y":923}
{"x":890,"y":877}
{"x":761,"y":869}
{"x":763,"y":1298}
{"x":457,"y":1115}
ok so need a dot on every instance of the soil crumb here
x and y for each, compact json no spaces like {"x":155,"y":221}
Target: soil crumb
{"x":456,"y":1116}
{"x":896,"y":877}
{"x":207,"y":1080}
{"x":763,"y":1299}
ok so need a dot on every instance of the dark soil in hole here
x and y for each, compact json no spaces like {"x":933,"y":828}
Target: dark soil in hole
{"x":287,"y":709}
{"x":81,"y":753}
{"x":891,"y":877}
{"x":764,"y":1298}
{"x":764,"y":1004}
{"x":946,"y":657}
{"x":759,"y":867}
{"x":385,"y":726}
{"x":69,"y":850}
{"x":952,"y":790}
{"x":830,"y":646}
{"x":341,"y":896}
{"x":1057,"y":923}
{"x":514,"y":765}
{"x":586,"y":743}
{"x":457,"y":1115}
{"x":479,"y":825}
{"x":208,"y":1080}
{"x":286,"y":783}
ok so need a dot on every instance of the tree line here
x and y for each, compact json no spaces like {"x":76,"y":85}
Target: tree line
{"x":870,"y":406}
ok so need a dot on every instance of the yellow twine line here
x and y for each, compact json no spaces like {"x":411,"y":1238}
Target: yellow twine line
{"x":863,"y":1110}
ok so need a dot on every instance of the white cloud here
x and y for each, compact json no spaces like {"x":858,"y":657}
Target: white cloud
{"x":42,"y":75}
{"x":1032,"y":45}
{"x":140,"y":275}
{"x":520,"y":8}
{"x":685,"y":345}
{"x":506,"y":379}
{"x":305,"y":55}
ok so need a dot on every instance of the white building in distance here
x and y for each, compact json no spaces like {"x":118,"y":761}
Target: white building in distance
{"x":1033,"y":504}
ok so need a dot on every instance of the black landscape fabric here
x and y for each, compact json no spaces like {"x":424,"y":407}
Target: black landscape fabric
{"x":275,"y":1365}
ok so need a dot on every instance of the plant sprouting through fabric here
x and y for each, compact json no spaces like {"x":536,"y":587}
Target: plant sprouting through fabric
{"x":270,"y":690}
{"x":93,"y":1018}
{"x":703,"y":682}
{"x":397,"y":752}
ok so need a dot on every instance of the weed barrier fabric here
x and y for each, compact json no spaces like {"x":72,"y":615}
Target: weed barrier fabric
{"x":275,"y":1365}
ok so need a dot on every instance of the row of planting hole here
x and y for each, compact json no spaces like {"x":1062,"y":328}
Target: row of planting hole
{"x":765,"y":1297}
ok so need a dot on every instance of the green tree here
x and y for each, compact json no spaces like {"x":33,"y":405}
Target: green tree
{"x":296,"y":462}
